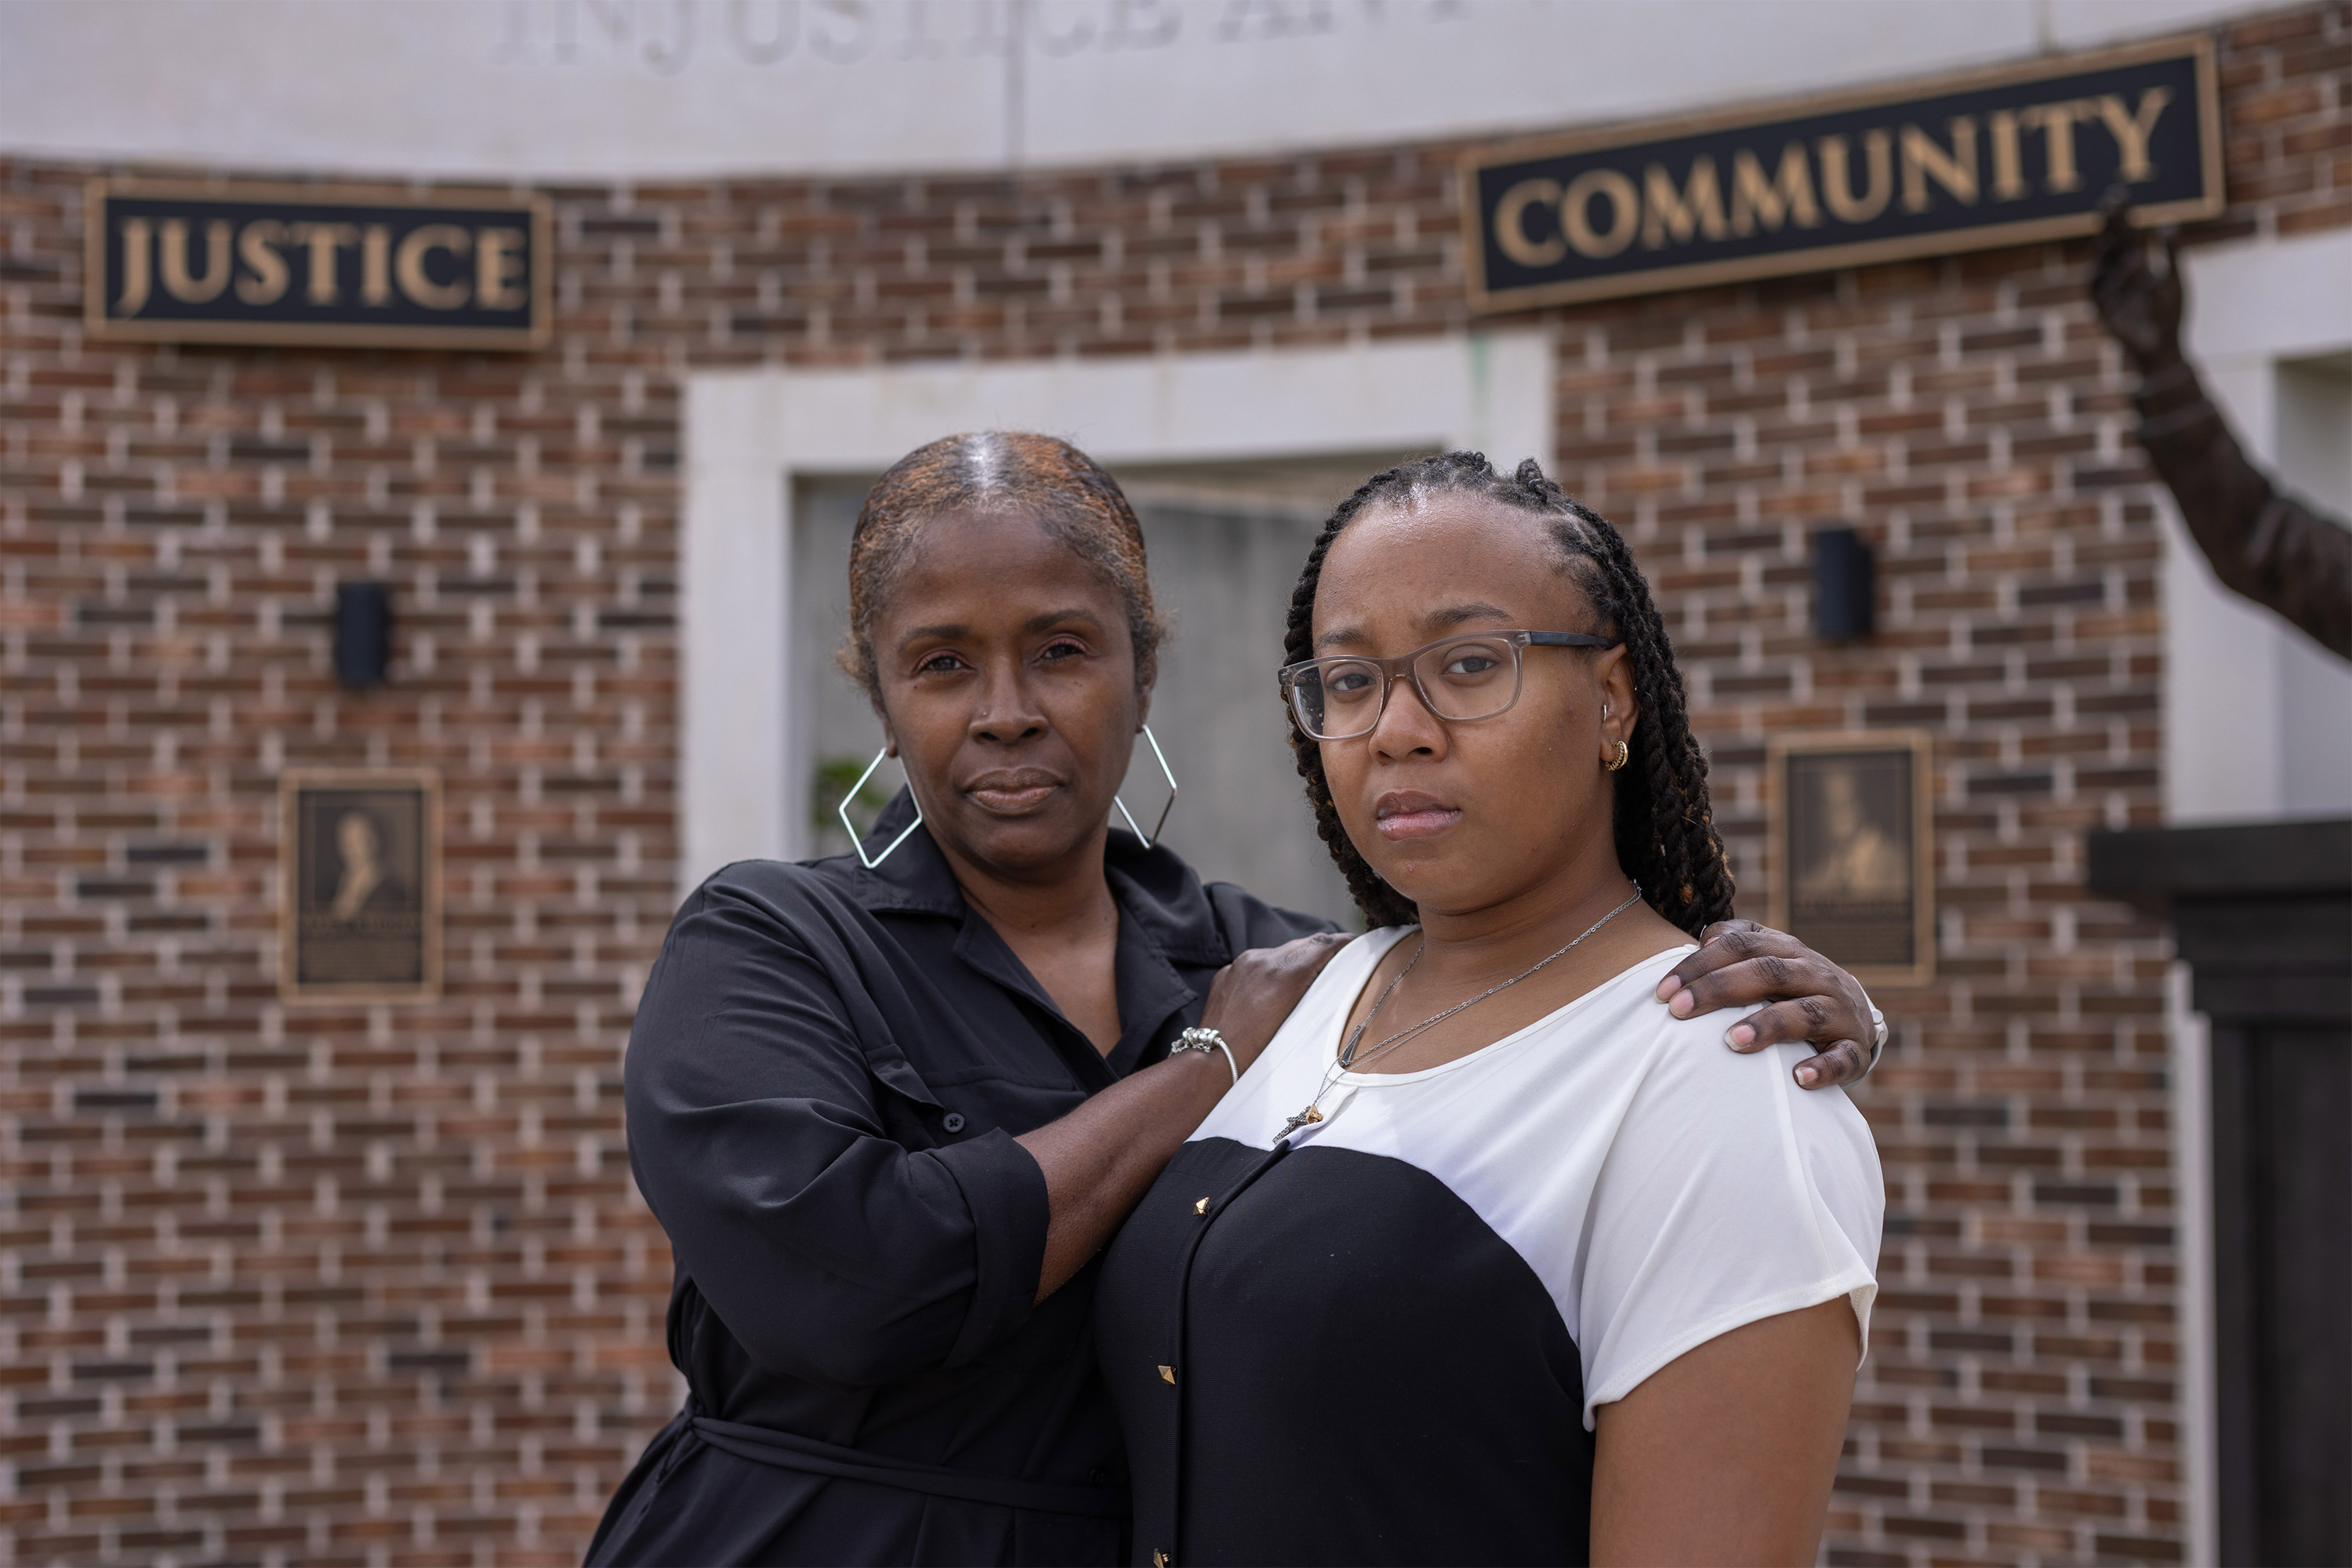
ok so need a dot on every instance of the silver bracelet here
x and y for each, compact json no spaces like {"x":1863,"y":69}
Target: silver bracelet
{"x":1878,"y":1046}
{"x":1205,"y":1041}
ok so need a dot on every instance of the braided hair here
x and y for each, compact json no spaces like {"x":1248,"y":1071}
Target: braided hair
{"x":1664,"y":828}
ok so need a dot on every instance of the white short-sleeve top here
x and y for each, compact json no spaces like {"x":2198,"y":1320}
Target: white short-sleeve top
{"x":1665,"y":1189}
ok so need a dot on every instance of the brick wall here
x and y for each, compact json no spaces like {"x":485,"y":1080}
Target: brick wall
{"x":371,"y":1284}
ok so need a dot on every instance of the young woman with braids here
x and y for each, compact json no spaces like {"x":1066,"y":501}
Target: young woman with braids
{"x":888,"y":1107}
{"x":1489,"y":1258}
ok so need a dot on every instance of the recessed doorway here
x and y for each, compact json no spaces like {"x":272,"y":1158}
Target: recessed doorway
{"x":1232,"y":461}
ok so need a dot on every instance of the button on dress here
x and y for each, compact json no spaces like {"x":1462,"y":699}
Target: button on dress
{"x":823,"y":1084}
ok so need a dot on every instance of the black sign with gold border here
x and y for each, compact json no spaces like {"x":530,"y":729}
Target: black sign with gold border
{"x":2003,"y":156}
{"x":341,"y":266}
{"x":359,"y":917}
{"x":1852,"y":849}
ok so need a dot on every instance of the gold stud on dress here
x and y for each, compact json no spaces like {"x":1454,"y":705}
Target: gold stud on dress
{"x":1168,"y":1374}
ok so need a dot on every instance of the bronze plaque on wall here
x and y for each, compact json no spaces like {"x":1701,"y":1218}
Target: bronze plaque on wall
{"x":1852,"y":850}
{"x":2004,"y":156}
{"x":167,"y":261}
{"x":361,"y":916}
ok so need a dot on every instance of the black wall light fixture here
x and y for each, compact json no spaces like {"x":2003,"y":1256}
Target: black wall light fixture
{"x":362,"y":633}
{"x":1845,"y":585}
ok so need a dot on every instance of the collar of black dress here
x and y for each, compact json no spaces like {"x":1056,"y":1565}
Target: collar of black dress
{"x":1155,"y":888}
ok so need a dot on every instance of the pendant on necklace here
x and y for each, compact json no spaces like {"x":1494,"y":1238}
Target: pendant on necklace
{"x":1301,"y":1119}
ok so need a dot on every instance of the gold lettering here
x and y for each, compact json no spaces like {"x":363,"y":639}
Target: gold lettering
{"x":1576,"y":212}
{"x":2007,"y":167}
{"x":498,"y":270}
{"x":408,"y":265}
{"x":375,"y":266}
{"x":137,"y":235}
{"x":1789,"y":195}
{"x":1696,"y":208}
{"x":1511,"y":221}
{"x":2132,"y":131}
{"x":1924,"y":160}
{"x":267,"y":277}
{"x":2056,"y":124}
{"x":1837,"y":182}
{"x":325,"y":239}
{"x":177,"y":280}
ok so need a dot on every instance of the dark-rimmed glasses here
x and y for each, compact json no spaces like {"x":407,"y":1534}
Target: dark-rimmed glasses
{"x":1471,"y":675}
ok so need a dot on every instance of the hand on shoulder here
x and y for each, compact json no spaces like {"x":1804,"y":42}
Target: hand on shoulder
{"x":1798,"y":996}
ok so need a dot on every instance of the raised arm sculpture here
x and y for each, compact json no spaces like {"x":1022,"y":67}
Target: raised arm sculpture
{"x":2264,"y":545}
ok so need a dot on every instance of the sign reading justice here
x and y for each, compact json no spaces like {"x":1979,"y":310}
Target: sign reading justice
{"x":2000,"y":157}
{"x":276,"y":263}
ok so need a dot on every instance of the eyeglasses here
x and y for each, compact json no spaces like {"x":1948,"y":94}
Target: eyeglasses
{"x":1473,"y":676}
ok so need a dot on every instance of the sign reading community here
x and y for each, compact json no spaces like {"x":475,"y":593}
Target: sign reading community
{"x":1993,"y":158}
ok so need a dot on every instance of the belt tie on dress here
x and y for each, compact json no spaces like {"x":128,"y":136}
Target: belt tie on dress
{"x":791,"y":1451}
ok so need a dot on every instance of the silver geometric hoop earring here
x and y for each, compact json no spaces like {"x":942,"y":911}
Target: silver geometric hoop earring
{"x":854,"y":841}
{"x":1165,"y":772}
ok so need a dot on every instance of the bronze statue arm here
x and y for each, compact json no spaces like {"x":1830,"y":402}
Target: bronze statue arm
{"x":2268,"y":547}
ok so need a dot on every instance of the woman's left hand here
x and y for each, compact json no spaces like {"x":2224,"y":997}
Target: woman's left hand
{"x":1812,"y":999}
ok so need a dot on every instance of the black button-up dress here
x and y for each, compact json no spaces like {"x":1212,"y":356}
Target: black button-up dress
{"x":824,"y":1085}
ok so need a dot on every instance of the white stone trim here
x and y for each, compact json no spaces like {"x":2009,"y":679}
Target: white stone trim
{"x":695,"y":90}
{"x":2191,"y":1039}
{"x":749,"y":433}
{"x":2228,"y":664}
{"x":2270,"y":298}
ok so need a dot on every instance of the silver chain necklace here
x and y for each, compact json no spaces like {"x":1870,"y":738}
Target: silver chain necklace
{"x":1347,"y":1058}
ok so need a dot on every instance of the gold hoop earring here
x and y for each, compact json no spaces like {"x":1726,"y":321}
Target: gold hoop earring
{"x":1624,"y":754}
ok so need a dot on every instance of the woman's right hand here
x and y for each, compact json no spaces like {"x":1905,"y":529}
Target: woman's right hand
{"x":1097,"y":1160}
{"x":1253,"y":994}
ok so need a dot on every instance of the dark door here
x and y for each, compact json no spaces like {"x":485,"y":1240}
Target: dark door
{"x":2263,"y":916}
{"x":2282,"y":1283}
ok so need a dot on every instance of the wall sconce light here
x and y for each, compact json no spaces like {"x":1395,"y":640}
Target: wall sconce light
{"x":1845,"y":585}
{"x":362,"y":633}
